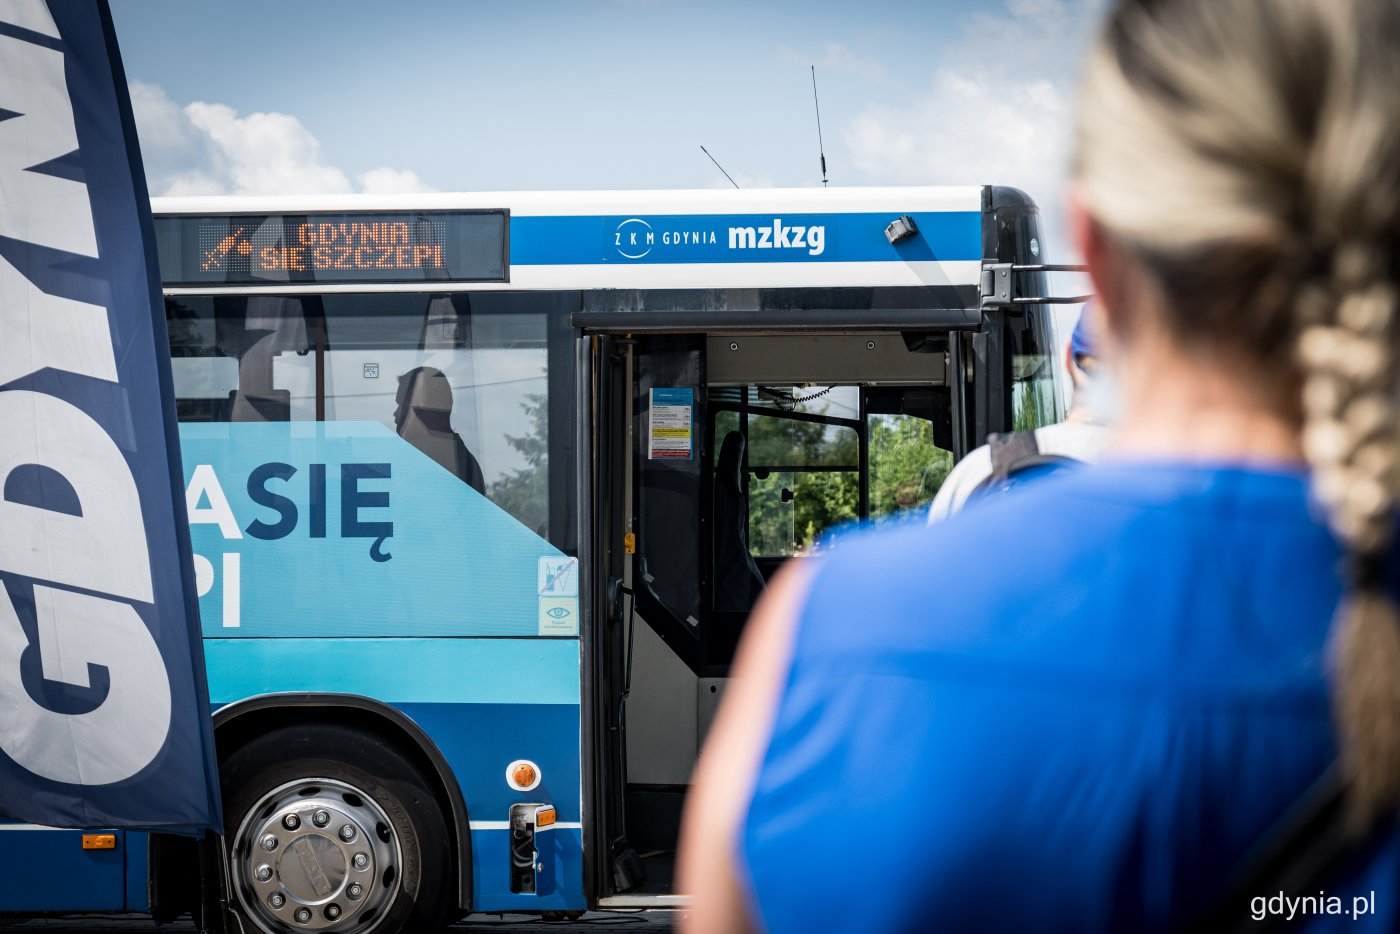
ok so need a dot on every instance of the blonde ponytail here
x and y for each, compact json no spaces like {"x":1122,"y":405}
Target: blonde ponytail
{"x":1348,"y":361}
{"x":1247,"y":154}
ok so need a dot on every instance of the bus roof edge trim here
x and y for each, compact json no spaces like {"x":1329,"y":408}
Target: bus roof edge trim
{"x":562,"y":203}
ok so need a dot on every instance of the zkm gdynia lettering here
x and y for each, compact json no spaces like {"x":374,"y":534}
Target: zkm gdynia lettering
{"x":89,"y":559}
{"x":277,"y":488}
{"x":635,"y":237}
{"x":316,"y":247}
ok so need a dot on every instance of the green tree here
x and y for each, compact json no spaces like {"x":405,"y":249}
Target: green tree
{"x":1034,"y":404}
{"x":819,"y":499}
{"x":906,"y":471}
{"x":524,"y":492}
{"x":825,"y":500}
{"x":906,"y":467}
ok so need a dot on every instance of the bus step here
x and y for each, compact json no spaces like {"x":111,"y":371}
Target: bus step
{"x":644,"y":901}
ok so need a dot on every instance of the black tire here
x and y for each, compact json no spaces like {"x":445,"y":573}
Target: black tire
{"x":303,"y":805}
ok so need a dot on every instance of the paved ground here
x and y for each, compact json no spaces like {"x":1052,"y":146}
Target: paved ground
{"x":646,"y":922}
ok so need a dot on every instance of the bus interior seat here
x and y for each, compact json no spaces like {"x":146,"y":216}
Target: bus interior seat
{"x":738,"y":581}
{"x":266,"y":405}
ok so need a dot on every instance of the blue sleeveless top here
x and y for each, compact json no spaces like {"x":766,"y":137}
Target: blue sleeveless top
{"x":1074,"y":708}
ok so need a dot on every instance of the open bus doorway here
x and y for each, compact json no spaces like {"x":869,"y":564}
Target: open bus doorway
{"x":733,"y":454}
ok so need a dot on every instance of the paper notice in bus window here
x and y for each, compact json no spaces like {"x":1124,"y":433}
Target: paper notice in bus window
{"x":669,"y":427}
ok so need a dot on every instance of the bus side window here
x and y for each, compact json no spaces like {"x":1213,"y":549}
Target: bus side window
{"x":1035,"y":396}
{"x":803,"y":479}
{"x":800,"y":477}
{"x":911,"y":440}
{"x":242,"y":358}
{"x":464,"y":379}
{"x":780,"y":480}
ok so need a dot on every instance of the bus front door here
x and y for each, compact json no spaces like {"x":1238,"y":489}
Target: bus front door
{"x":722,"y":457}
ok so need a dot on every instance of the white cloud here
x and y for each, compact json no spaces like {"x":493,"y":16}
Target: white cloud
{"x":177,"y":158}
{"x":997,"y":111}
{"x":266,"y":153}
{"x":205,"y":148}
{"x":387,"y":181}
{"x":967,"y":130}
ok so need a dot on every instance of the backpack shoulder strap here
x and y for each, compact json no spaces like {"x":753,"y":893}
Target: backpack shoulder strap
{"x":1009,"y":451}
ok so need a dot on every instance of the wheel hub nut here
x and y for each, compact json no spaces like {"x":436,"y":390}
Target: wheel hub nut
{"x":276,"y":900}
{"x":355,"y":890}
{"x":321,"y":818}
{"x":264,"y":873}
{"x":332,"y":912}
{"x":347,"y":833}
{"x":303,"y":915}
{"x":269,"y":843}
{"x":291,"y":822}
{"x":361,"y":861}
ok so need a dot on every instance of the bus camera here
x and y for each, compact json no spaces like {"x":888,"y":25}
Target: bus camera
{"x":901,"y":228}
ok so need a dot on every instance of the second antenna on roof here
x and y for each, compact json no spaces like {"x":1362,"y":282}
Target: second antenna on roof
{"x":817,"y":104}
{"x":720,"y":167}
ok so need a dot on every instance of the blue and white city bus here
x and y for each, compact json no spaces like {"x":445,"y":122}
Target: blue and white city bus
{"x":482,"y":489}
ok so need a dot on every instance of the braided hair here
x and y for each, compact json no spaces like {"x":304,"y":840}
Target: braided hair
{"x":1246,"y":155}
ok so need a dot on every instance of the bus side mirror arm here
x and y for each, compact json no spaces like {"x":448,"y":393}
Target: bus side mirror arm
{"x":998,"y":289}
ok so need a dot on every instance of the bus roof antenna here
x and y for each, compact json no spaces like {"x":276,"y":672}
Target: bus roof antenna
{"x":720,"y":167}
{"x":817,"y":104}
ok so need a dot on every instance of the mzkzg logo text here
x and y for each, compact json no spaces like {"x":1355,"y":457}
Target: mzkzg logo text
{"x":717,"y":238}
{"x":778,"y":237}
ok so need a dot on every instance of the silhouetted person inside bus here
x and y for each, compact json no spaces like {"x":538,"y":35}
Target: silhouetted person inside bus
{"x":423,"y":418}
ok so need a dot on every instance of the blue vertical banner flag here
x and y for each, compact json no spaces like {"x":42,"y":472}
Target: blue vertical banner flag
{"x":104,"y":710}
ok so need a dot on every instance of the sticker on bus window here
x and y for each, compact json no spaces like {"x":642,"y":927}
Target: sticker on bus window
{"x":558,"y":616}
{"x":558,"y":576}
{"x":669,"y":424}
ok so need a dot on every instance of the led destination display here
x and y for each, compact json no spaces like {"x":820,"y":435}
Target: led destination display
{"x":447,"y":246}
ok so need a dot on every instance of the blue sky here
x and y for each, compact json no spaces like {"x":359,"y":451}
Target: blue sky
{"x":264,"y":97}
{"x":599,"y":93}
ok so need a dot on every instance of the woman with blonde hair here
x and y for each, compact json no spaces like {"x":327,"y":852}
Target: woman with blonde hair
{"x":966,"y":727}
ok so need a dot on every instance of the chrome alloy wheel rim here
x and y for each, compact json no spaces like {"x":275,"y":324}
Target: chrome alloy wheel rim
{"x":316,"y":854}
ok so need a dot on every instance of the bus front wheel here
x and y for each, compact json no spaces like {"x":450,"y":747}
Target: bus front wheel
{"x":330,"y":829}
